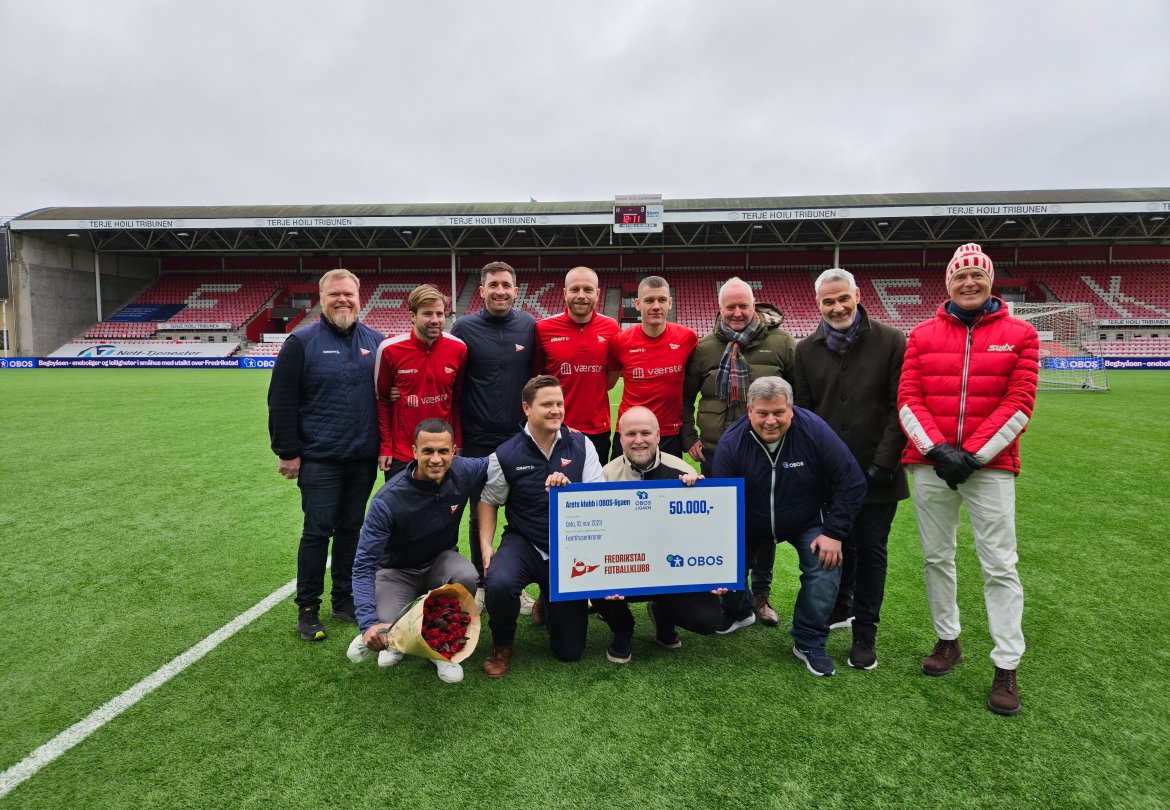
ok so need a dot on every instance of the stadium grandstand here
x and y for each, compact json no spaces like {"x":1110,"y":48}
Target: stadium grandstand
{"x":218,"y":282}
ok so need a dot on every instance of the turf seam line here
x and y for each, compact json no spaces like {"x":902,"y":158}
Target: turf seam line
{"x":77,"y":732}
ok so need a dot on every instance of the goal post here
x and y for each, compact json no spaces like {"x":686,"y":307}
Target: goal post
{"x":1066,"y":331}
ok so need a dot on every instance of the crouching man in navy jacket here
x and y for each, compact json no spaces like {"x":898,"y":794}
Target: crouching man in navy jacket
{"x":408,"y":542}
{"x":544,"y":454}
{"x":802,"y":485}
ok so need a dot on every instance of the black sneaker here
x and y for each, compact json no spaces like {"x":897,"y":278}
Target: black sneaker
{"x":840,"y":618}
{"x":345,"y":611}
{"x":309,"y":624}
{"x":862,"y":654}
{"x":670,"y":642}
{"x":621,"y":649}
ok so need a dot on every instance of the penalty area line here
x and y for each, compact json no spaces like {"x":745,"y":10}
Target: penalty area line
{"x":77,"y":732}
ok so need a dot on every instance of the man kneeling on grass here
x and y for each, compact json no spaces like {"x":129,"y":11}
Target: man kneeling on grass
{"x":408,"y":541}
{"x":545,"y":453}
{"x":642,"y":460}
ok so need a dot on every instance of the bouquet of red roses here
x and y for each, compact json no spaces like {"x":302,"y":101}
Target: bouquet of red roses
{"x":443,"y":624}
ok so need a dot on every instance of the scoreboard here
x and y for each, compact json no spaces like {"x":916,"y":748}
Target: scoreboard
{"x":637,"y":213}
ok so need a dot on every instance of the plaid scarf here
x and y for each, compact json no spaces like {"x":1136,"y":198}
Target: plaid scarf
{"x":731,"y":382}
{"x":840,"y":342}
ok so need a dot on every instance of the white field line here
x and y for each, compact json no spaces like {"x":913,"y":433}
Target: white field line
{"x":77,"y":732}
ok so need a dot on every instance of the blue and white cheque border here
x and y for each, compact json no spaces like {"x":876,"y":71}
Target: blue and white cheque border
{"x":639,"y":538}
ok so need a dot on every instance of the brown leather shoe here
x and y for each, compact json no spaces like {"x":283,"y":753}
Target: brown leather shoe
{"x":539,"y":611}
{"x":1005,"y":693}
{"x":499,"y":662}
{"x":764,"y":611}
{"x":944,"y":657}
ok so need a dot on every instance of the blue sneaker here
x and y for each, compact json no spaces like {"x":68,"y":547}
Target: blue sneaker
{"x":817,"y":661}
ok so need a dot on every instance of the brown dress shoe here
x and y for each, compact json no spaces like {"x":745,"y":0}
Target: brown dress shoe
{"x":1005,"y":693}
{"x":764,"y":611}
{"x":539,"y":611}
{"x":499,"y":662}
{"x":944,"y":657}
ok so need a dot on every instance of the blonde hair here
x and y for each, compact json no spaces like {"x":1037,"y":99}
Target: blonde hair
{"x":336,"y":274}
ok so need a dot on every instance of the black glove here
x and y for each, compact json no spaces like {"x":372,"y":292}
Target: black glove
{"x":877,"y":476}
{"x":952,"y":465}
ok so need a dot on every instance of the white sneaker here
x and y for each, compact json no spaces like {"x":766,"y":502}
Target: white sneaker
{"x":746,"y":621}
{"x":389,"y":657}
{"x":448,"y":672}
{"x":480,"y":595}
{"x":358,"y":651}
{"x":526,"y":603}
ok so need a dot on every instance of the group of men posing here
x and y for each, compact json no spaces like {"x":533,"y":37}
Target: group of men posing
{"x":504,"y":407}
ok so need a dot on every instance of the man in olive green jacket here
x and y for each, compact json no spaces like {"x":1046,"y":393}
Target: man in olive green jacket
{"x":847,"y":373}
{"x":746,"y":343}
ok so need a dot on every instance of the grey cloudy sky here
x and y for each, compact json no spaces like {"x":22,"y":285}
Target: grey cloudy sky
{"x":359,"y":101}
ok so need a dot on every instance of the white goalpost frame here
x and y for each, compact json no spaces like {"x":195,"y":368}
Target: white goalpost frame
{"x":1066,"y":363}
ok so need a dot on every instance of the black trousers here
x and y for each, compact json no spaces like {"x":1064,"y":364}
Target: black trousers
{"x":333,"y":498}
{"x":700,"y":613}
{"x":863,"y":571}
{"x":514,"y":565}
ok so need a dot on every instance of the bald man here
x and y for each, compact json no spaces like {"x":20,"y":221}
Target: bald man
{"x":642,"y":460}
{"x":573,"y":346}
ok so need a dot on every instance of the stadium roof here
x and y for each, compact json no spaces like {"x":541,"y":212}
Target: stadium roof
{"x":1063,"y":216}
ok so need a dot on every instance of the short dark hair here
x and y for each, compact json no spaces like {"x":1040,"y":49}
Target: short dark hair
{"x":652,"y":283}
{"x":496,"y":267}
{"x":535,"y":384}
{"x":433,"y":425}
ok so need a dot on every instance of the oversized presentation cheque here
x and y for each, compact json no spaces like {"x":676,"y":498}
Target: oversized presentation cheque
{"x":645,"y":537}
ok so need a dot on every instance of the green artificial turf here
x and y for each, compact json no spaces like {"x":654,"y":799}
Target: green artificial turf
{"x":142,"y":510}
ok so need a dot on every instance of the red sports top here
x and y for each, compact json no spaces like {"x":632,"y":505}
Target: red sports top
{"x":652,"y":369}
{"x":576,"y":354}
{"x":429,"y":381}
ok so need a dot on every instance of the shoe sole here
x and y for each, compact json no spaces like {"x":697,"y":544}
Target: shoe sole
{"x":318,"y":636}
{"x":742,"y":623}
{"x":841,"y":625}
{"x":946,"y":671}
{"x":669,"y":645}
{"x":871,"y":666}
{"x":613,"y":659}
{"x":345,"y":617}
{"x":496,"y":676}
{"x":1005,"y":712}
{"x":802,"y":657}
{"x":767,"y":622}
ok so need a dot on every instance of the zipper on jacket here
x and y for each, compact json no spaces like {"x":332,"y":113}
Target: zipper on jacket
{"x":966,"y":369}
{"x":772,"y":486}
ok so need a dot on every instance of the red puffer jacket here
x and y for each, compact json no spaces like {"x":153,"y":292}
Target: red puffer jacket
{"x":973,"y":387}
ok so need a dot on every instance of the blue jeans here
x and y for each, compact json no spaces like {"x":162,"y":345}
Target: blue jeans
{"x":814,"y":600}
{"x":333,"y":498}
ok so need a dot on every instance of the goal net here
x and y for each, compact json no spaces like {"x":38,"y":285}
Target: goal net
{"x":1065,"y":330}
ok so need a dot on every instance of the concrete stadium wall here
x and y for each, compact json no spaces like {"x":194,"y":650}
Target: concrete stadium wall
{"x":53,"y":292}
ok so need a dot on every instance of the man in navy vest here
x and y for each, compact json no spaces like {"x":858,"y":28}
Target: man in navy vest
{"x":323,"y":422}
{"x":544,"y":454}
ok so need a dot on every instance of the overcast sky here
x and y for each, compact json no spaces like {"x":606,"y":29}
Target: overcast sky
{"x":368,"y":101}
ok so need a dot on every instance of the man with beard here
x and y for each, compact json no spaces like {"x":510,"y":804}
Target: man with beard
{"x":409,"y":541}
{"x":701,"y":613}
{"x":323,"y":423}
{"x":573,"y":346}
{"x":847,"y":373}
{"x":424,"y":367}
{"x":745,"y":344}
{"x":500,"y":341}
